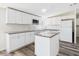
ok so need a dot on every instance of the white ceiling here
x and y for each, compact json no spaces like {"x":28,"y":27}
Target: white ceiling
{"x":35,"y":8}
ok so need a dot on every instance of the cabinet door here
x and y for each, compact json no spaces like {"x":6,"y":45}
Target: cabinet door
{"x":21,"y":39}
{"x":15,"y":41}
{"x":54,"y":21}
{"x":12,"y":43}
{"x":27,"y":19}
{"x":13,"y":16}
{"x":19,"y":18}
{"x":29,"y":38}
{"x":32,"y":37}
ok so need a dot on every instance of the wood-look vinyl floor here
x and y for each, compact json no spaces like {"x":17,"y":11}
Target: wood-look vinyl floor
{"x":66,"y":49}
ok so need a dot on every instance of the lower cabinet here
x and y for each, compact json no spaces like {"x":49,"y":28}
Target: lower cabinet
{"x":16,"y":41}
{"x":32,"y":37}
{"x":29,"y":38}
{"x":21,"y":39}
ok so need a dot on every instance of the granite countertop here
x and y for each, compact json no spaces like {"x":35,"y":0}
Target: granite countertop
{"x":48,"y":34}
{"x":15,"y":32}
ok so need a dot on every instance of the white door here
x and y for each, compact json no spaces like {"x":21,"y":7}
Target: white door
{"x":66,"y":30}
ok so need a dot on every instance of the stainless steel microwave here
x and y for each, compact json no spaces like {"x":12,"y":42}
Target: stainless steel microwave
{"x":34,"y":21}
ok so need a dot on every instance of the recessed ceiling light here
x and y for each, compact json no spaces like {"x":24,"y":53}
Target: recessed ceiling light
{"x":44,"y":10}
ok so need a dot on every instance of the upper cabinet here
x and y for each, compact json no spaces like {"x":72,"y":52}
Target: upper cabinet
{"x":18,"y":17}
{"x":13,"y":16}
{"x":54,"y":21}
{"x":26,"y":18}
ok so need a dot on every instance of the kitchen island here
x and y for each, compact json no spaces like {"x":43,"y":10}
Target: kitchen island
{"x":47,"y":43}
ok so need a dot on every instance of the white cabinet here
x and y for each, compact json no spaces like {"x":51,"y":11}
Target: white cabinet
{"x":11,"y":16}
{"x":14,"y":17}
{"x":32,"y":37}
{"x":17,"y":17}
{"x":27,"y":19}
{"x":16,"y":41}
{"x":11,"y":43}
{"x":54,"y":21}
{"x":29,"y":38}
{"x":21,"y":39}
{"x":35,"y":17}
